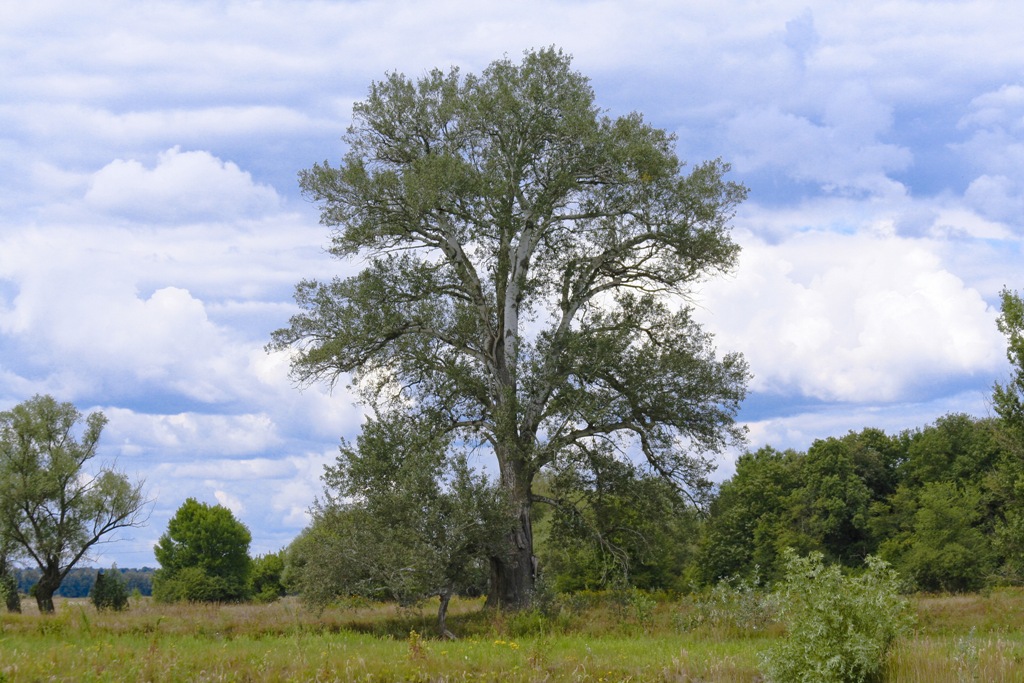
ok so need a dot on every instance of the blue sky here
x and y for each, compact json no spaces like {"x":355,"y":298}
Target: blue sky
{"x":151,"y":229}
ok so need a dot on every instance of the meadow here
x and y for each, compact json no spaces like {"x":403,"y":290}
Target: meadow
{"x":588,"y":638}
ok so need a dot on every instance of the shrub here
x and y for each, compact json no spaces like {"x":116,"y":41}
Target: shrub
{"x":739,"y":606}
{"x":266,"y":577}
{"x":839,"y":628}
{"x":110,"y":591}
{"x":9,"y":596}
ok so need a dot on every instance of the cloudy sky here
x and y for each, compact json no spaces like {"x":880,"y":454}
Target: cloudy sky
{"x":151,"y":231}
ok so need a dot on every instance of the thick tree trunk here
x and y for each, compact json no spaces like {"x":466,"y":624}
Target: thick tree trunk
{"x":513,"y":576}
{"x":47,"y":585}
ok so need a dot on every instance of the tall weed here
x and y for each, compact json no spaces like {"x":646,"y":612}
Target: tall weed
{"x":839,"y":628}
{"x":734,"y":606}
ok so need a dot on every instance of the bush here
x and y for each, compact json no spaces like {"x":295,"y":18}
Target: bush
{"x":735,"y":605}
{"x":193,"y":584}
{"x":839,"y":628}
{"x":9,"y":596}
{"x":266,"y":577}
{"x":110,"y":591}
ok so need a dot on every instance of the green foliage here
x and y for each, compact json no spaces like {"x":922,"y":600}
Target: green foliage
{"x":110,"y":591}
{"x":839,"y":628}
{"x":266,"y":577}
{"x":522,"y":255}
{"x":943,"y":549}
{"x":203,"y":556}
{"x":402,"y":519}
{"x":9,"y":595}
{"x":1008,"y":398}
{"x":957,"y":448}
{"x":942,"y":503}
{"x":746,"y":529}
{"x":54,"y":509}
{"x":613,"y":524}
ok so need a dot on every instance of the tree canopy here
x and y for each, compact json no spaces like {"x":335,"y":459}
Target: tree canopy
{"x":53,"y":508}
{"x":203,"y":556}
{"x":529,"y":267}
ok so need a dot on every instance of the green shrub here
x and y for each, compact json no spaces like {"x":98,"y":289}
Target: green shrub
{"x":193,"y":584}
{"x":266,"y":585}
{"x":9,"y":596}
{"x":839,"y":628}
{"x":110,"y":591}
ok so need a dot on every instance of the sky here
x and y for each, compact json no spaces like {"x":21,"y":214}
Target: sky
{"x":152,"y":231}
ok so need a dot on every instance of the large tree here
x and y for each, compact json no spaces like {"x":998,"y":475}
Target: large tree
{"x":51,"y":505}
{"x":528,"y":270}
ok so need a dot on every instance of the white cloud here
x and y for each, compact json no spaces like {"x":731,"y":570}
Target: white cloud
{"x":189,"y":434}
{"x":842,"y":152}
{"x":230,"y":502}
{"x":182,"y":186}
{"x":851,"y":317}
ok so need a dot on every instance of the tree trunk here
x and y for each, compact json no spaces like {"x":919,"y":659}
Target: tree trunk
{"x":442,"y":617}
{"x":513,"y":576}
{"x":47,"y":585}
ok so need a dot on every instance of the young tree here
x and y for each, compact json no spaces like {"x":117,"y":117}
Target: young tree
{"x":52,"y":507}
{"x":1008,"y":399}
{"x":614,"y":525}
{"x":529,"y":263}
{"x":109,"y":591}
{"x":203,"y":556}
{"x":8,"y":585}
{"x":265,"y":578}
{"x":403,"y":518}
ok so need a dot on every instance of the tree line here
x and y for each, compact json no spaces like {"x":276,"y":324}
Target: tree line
{"x":78,"y":582}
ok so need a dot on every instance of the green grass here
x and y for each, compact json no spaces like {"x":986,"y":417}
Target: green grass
{"x":958,"y":638}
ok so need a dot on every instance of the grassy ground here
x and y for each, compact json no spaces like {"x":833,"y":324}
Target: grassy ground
{"x":958,"y":638}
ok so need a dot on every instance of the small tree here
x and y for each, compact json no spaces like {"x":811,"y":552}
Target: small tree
{"x":839,"y":628}
{"x":1008,"y":398}
{"x":53,"y":509}
{"x":8,"y":585}
{"x":110,"y":590}
{"x":945,"y":547}
{"x":403,"y":519}
{"x":203,"y":556}
{"x":267,"y":571}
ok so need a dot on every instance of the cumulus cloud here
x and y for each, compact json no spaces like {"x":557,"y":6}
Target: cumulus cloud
{"x":181,"y":186}
{"x":996,"y":147}
{"x":230,"y":502}
{"x":851,"y":317}
{"x":188,"y":435}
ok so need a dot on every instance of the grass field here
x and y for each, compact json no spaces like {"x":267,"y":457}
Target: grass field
{"x":957,"y":638}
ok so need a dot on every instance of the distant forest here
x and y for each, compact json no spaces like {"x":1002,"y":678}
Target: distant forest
{"x":80,"y":580}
